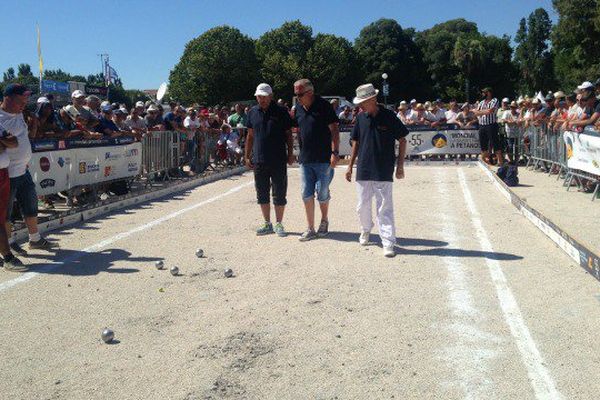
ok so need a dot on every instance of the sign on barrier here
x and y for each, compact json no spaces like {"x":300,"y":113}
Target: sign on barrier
{"x":422,"y":142}
{"x":56,"y":171}
{"x":583,"y":151}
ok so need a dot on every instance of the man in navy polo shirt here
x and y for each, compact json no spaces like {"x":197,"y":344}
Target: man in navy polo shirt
{"x":374,"y":142}
{"x":319,"y":139}
{"x":269,"y":145}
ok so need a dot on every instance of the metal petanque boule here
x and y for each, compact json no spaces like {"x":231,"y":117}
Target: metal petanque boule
{"x":159,"y":264}
{"x":228,"y":273}
{"x":199,"y":253}
{"x":174,"y":271}
{"x":107,"y":335}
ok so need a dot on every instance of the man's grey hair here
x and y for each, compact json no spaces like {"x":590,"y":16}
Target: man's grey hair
{"x":92,"y":98}
{"x":305,"y":84}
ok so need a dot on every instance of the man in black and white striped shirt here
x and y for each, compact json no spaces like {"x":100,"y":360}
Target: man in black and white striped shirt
{"x":488,"y":126}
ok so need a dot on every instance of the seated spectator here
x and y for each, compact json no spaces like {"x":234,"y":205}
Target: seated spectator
{"x":238,"y":119}
{"x":153,"y":119}
{"x":136,"y":123}
{"x":107,"y":127}
{"x":417,"y":116}
{"x":466,"y":119}
{"x":452,"y":113}
{"x":230,"y":139}
{"x":435,"y":115}
{"x":403,"y":112}
{"x":78,"y":100}
{"x":346,"y":116}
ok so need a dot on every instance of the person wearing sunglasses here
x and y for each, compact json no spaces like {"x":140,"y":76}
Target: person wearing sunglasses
{"x":319,"y":139}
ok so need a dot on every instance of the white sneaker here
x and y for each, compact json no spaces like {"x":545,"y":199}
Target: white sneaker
{"x":364,"y":238}
{"x":389,"y":251}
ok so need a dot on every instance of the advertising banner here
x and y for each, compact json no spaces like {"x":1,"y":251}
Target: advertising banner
{"x":583,"y":151}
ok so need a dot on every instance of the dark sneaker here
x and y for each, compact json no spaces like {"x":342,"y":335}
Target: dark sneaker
{"x":265,"y":229}
{"x":323,"y":229}
{"x":309,"y":234}
{"x":16,"y":247}
{"x":41,"y":244}
{"x":279,"y":230}
{"x":15,"y":265}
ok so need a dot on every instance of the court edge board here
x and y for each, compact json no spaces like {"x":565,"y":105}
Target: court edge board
{"x":583,"y":256}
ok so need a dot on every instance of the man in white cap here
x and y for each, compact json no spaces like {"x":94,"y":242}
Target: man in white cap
{"x":78,"y":99}
{"x":269,"y":145}
{"x":374,"y":139}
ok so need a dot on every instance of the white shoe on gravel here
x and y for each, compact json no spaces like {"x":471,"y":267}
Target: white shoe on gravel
{"x":389,"y":251}
{"x":363,"y":239}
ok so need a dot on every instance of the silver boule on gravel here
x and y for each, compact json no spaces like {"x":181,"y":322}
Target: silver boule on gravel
{"x":107,"y":335}
{"x":199,"y":253}
{"x":159,"y":264}
{"x":228,"y":273}
{"x":174,"y":271}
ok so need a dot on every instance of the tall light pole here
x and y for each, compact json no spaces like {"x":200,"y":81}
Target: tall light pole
{"x":386,"y":88}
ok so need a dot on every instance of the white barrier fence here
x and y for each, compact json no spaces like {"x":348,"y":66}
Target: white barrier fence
{"x":60,"y":170}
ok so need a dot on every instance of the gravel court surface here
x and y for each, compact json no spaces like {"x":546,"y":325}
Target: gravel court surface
{"x":324,"y":319}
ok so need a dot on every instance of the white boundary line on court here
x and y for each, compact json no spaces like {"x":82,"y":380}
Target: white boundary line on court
{"x":100,"y":245}
{"x":540,"y":378}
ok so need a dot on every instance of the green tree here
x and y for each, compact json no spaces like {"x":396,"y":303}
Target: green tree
{"x":437,"y":46}
{"x":218,"y":66}
{"x":383,"y":46}
{"x":575,"y":39}
{"x":467,"y":55}
{"x":532,"y":54}
{"x":496,"y":68}
{"x":330,"y":60}
{"x":9,"y":75}
{"x":282,"y":54}
{"x":24,"y":71}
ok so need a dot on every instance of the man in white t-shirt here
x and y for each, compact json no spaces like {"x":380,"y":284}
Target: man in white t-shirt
{"x":191,"y":123}
{"x":452,"y":113}
{"x":9,"y":261}
{"x":22,"y":187}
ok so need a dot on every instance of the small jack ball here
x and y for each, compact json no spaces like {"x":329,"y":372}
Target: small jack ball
{"x":107,"y":335}
{"x":228,"y":273}
{"x":174,"y":271}
{"x":159,"y":264}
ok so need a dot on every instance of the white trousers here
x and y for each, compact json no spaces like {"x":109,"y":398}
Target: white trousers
{"x":382,"y":191}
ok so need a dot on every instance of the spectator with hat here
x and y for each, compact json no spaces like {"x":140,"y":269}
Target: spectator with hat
{"x":22,"y":188}
{"x":417,"y":116}
{"x":79,"y":101}
{"x":452,"y":113}
{"x":8,"y":261}
{"x":319,"y":139}
{"x":510,"y":119}
{"x":136,"y":123}
{"x":269,"y":146}
{"x":153,"y":119}
{"x":466,"y":118}
{"x":46,"y":124}
{"x":374,"y":139}
{"x":107,"y":127}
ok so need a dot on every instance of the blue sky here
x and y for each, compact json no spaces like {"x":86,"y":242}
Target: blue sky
{"x":146,"y":38}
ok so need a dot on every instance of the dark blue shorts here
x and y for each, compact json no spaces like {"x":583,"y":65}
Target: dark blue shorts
{"x":22,"y":189}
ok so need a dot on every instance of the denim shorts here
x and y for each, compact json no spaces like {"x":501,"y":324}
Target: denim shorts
{"x":22,"y":189}
{"x":316,"y":179}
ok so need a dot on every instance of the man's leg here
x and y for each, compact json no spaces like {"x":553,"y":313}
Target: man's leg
{"x":262,"y":183}
{"x":364,"y":210}
{"x":309,"y":180}
{"x":325,"y":176}
{"x":385,"y":213}
{"x":4,"y":198}
{"x":280,"y":183}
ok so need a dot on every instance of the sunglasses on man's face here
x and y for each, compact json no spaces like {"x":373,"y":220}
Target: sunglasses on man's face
{"x":300,"y":95}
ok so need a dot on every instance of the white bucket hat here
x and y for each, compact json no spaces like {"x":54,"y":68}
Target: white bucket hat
{"x":365,"y":92}
{"x":264,"y":89}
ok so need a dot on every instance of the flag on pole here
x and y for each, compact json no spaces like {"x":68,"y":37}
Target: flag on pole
{"x":39,"y":49}
{"x":110,"y":74}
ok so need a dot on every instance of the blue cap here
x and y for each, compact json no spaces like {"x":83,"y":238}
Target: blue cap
{"x":16,"y":89}
{"x":106,"y":108}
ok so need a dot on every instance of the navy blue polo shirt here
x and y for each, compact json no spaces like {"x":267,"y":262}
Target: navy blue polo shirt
{"x":315,"y":136}
{"x":270,"y":128}
{"x":377,"y":144}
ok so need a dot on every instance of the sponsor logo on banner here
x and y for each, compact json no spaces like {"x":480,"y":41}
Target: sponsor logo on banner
{"x":82,"y":165}
{"x":439,"y":141}
{"x":111,"y":156}
{"x":61,"y":162}
{"x":131,"y":153}
{"x":47,"y":183}
{"x":132,"y":167}
{"x":93,"y":167}
{"x":44,"y":164}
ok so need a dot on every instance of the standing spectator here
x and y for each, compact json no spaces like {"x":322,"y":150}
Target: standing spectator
{"x":153,"y":119}
{"x":92,"y":104}
{"x":510,"y":119}
{"x":139,"y":107}
{"x":488,"y":126}
{"x":335,"y":103}
{"x":78,"y":100}
{"x":22,"y":187}
{"x":269,"y":133}
{"x":466,"y":119}
{"x":107,"y":127}
{"x":452,"y":113}
{"x":191,"y":123}
{"x":238,"y":119}
{"x":319,"y":139}
{"x":118,"y":117}
{"x":136,"y":123}
{"x":436,"y":115}
{"x":417,"y":116}
{"x":173,"y":119}
{"x":374,"y":142}
{"x":9,"y":261}
{"x":46,"y":124}
{"x":230,"y":140}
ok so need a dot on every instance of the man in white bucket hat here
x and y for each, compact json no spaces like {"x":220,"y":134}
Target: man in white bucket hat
{"x":374,"y":142}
